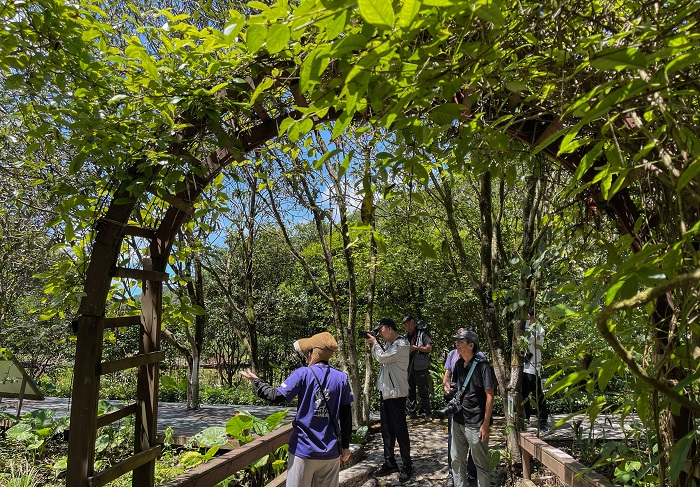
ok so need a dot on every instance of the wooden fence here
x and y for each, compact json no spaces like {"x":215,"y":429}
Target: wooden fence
{"x":226,"y":465}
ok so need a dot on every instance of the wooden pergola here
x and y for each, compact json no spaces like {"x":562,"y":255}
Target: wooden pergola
{"x":535,"y":126}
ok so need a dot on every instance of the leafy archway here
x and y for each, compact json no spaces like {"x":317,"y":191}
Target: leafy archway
{"x":155,"y":107}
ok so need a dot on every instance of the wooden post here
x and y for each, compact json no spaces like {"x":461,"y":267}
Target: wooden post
{"x":20,"y":398}
{"x":147,"y":382}
{"x":86,"y":390}
{"x":527,"y":468}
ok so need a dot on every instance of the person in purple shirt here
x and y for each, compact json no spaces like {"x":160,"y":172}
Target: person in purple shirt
{"x":320,"y":439}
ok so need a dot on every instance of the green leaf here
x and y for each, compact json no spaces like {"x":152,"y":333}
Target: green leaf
{"x":379,"y":13}
{"x":446,"y":113}
{"x":516,"y":86}
{"x":345,"y":164}
{"x":255,"y":37}
{"x":239,"y":424}
{"x":408,"y":12}
{"x":619,"y":58}
{"x":679,"y":455}
{"x":683,"y":61}
{"x":491,"y":12}
{"x":233,"y":27}
{"x":277,"y":38}
{"x":438,"y":3}
{"x":212,"y":436}
{"x":427,"y":250}
{"x":690,"y":172}
{"x":274,"y":419}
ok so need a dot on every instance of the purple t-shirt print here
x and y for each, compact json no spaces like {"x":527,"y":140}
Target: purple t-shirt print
{"x":313,"y":435}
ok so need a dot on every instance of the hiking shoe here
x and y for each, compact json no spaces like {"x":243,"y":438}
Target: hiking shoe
{"x":449,"y":481}
{"x":405,"y":474}
{"x":386,"y":470}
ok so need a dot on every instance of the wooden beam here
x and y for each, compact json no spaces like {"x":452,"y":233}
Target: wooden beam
{"x":135,"y":231}
{"x":123,"y":321}
{"x":226,"y":465}
{"x":139,"y":274}
{"x":116,"y":415}
{"x":130,"y":362}
{"x":178,"y":203}
{"x":125,"y":466}
{"x":571,"y":472}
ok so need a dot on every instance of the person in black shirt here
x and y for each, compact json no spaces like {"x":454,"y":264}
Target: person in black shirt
{"x":475,"y":384}
{"x":419,"y":363}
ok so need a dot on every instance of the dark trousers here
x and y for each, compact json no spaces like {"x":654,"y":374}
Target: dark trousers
{"x":533,"y":397}
{"x":392,"y":416}
{"x":419,"y":380}
{"x":471,"y":468}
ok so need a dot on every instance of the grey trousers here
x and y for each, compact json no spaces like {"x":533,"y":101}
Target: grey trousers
{"x":465,"y":438}
{"x":306,"y":472}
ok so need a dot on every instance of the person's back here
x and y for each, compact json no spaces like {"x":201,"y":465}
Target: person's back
{"x":312,"y":437}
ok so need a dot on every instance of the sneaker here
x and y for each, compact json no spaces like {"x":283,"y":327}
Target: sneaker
{"x":413,"y":414}
{"x":449,"y":481}
{"x":544,"y":428}
{"x":386,"y":470}
{"x":405,"y":474}
{"x":428,"y":417}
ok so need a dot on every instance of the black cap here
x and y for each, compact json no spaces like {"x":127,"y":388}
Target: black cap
{"x":470,"y":335}
{"x":385,"y":322}
{"x":407,"y":318}
{"x":532,"y":311}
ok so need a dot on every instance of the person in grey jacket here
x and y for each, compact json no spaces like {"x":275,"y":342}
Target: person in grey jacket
{"x":393,"y":388}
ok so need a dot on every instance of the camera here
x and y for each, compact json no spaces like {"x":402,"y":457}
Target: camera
{"x":454,"y":405}
{"x":364,"y":334}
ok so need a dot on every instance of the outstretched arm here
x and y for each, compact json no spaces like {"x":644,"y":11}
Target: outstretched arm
{"x":264,"y":390}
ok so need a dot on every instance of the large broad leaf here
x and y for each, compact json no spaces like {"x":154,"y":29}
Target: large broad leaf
{"x":277,"y":38}
{"x":618,"y":58}
{"x":21,"y":432}
{"x":275,"y":419}
{"x":255,"y":37}
{"x":212,"y":436}
{"x":379,"y":13}
{"x":239,"y":425}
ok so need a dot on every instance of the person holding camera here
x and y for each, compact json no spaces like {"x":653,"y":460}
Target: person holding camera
{"x":533,"y":395}
{"x":419,"y":362}
{"x":471,"y":406}
{"x":393,"y":389}
{"x":320,"y":439}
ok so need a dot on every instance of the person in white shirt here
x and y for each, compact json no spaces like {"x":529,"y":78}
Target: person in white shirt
{"x":533,"y":395}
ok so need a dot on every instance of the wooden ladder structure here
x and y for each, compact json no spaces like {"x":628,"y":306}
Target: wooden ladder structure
{"x":113,"y":227}
{"x":89,"y":367}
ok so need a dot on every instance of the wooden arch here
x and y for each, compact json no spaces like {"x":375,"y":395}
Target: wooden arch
{"x":116,"y":225}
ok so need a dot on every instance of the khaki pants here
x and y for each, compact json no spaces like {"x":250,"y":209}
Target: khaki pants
{"x":307,"y":472}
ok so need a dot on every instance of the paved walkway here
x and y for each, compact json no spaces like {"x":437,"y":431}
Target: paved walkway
{"x":185,"y":423}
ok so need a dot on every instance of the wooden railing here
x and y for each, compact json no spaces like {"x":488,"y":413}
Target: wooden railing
{"x":226,"y":465}
{"x":564,"y":466}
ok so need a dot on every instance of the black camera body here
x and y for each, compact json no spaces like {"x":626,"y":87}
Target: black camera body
{"x":454,"y":405}
{"x":364,"y":334}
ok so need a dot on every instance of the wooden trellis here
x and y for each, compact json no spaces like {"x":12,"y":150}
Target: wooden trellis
{"x":115,"y":226}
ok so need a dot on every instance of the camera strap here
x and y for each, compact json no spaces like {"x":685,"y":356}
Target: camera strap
{"x":328,"y":408}
{"x":469,"y":375}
